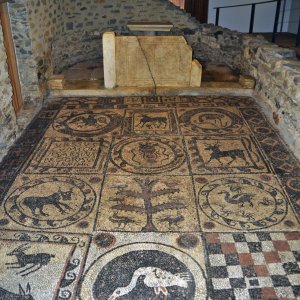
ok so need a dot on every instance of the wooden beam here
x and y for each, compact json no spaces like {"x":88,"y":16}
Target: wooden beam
{"x":17,"y":100}
{"x":198,"y":9}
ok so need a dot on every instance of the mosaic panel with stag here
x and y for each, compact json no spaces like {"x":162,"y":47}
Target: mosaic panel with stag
{"x":230,"y":154}
{"x":40,"y":265}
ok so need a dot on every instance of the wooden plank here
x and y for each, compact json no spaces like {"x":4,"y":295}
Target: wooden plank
{"x":17,"y":100}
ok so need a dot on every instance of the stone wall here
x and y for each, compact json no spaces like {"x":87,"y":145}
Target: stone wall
{"x":85,"y":21}
{"x":8,"y":123}
{"x":35,"y":25}
{"x":46,"y":24}
{"x":276,"y":70}
{"x":50,"y":35}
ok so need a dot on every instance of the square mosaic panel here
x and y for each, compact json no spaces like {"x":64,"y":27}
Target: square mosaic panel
{"x":40,"y":266}
{"x":57,"y":202}
{"x":211,"y":120}
{"x":148,"y":155}
{"x":253,"y":265}
{"x":230,"y":154}
{"x":65,"y":156}
{"x":172,"y":261}
{"x":150,"y":121}
{"x":147,"y":204}
{"x":243,"y":202}
{"x":86,"y":123}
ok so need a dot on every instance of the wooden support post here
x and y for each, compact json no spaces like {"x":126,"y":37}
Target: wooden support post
{"x":11,"y":58}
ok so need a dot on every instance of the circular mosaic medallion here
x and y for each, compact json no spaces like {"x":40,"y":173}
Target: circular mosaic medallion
{"x":243,"y":203}
{"x":51,"y":202}
{"x":212,"y":120}
{"x":87,"y":124}
{"x":144,"y":271}
{"x":147,"y":155}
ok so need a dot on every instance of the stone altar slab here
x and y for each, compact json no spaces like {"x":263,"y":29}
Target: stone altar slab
{"x":149,"y":61}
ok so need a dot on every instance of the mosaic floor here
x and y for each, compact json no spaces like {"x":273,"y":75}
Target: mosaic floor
{"x":150,"y":198}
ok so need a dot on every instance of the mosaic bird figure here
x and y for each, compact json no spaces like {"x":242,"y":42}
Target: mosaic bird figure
{"x":239,"y":199}
{"x":155,"y":278}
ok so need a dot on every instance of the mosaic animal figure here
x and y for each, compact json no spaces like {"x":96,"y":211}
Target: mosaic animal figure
{"x":36,"y":203}
{"x":239,"y":199}
{"x":215,"y":120}
{"x":23,"y":295}
{"x":156,"y":121}
{"x":217,"y":154}
{"x":155,"y":278}
{"x":121,"y":221}
{"x":90,"y":120}
{"x":118,"y":201}
{"x":173,"y":221}
{"x":30,"y":263}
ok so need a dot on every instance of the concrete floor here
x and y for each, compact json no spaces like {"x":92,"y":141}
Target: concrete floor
{"x":138,"y":198}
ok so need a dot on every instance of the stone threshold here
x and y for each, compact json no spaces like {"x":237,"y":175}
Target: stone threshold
{"x":207,"y":88}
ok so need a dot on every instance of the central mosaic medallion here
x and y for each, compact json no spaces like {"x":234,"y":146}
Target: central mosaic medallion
{"x":151,"y":155}
{"x":51,"y":202}
{"x":87,"y":124}
{"x":243,"y":203}
{"x":144,"y":271}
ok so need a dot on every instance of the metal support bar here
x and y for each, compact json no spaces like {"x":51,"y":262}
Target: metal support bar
{"x":283,"y":13}
{"x":217,"y":16}
{"x":298,"y":36}
{"x":252,"y":18}
{"x":276,"y":21}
